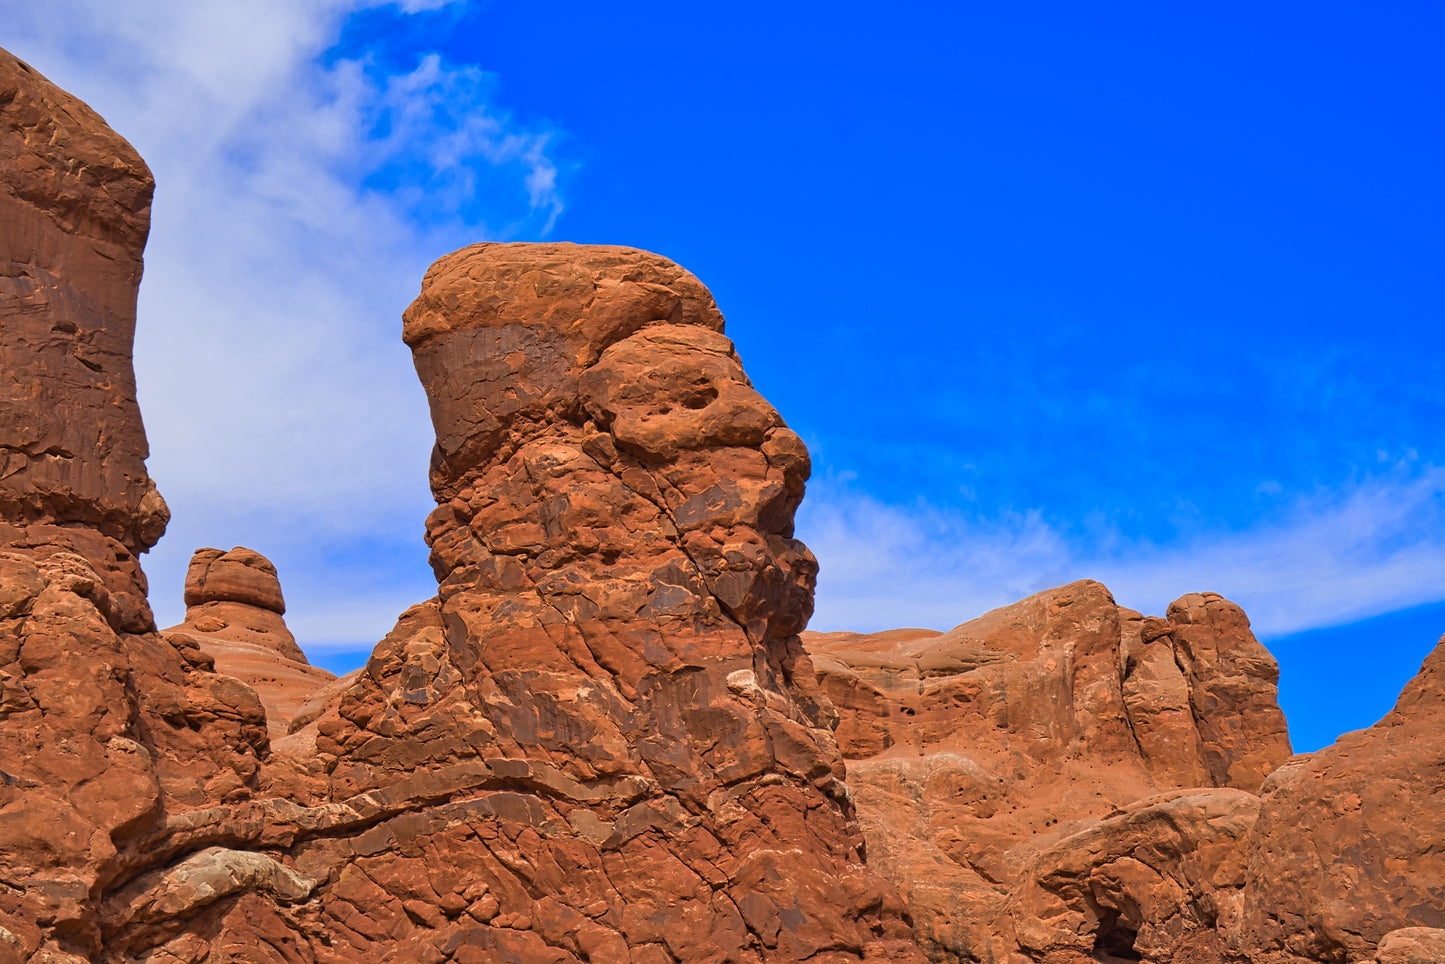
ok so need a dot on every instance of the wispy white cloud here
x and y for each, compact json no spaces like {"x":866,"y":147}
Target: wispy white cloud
{"x":299,"y":200}
{"x":1334,"y":556}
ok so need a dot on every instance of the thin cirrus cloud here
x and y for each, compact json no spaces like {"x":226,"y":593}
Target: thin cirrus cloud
{"x":1371,"y":547}
{"x":299,"y":199}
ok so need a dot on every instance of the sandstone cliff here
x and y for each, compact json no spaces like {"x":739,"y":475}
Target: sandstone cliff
{"x":1348,"y":847}
{"x":74,"y":212}
{"x":1064,"y":780}
{"x":108,"y":729}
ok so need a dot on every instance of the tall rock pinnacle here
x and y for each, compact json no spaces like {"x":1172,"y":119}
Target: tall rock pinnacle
{"x":74,"y":213}
{"x":613,"y":659}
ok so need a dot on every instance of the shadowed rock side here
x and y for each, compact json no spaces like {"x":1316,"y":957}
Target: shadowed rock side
{"x":235,"y":613}
{"x":107,"y":731}
{"x":1061,"y":779}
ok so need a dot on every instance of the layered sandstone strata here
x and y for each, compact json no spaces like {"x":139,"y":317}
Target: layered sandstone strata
{"x":235,"y":613}
{"x":74,"y":211}
{"x":1061,"y":778}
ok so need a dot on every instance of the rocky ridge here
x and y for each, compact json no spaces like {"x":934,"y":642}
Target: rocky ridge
{"x":1065,"y":781}
{"x":1061,"y":778}
{"x":605,"y":738}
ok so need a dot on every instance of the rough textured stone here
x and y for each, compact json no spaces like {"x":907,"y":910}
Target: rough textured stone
{"x":234,"y":612}
{"x":108,"y":729}
{"x":1008,"y":772}
{"x":239,"y":576}
{"x":603,"y":739}
{"x":607,"y":705}
{"x":74,"y":212}
{"x":1411,"y":945}
{"x":1348,"y":846}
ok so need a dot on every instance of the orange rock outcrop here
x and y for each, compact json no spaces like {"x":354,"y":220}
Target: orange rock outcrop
{"x":110,"y":731}
{"x":607,"y":704}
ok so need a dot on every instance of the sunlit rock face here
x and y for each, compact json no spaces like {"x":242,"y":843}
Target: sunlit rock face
{"x":235,"y":613}
{"x":603,"y":739}
{"x":608,"y":699}
{"x":74,"y":213}
{"x":109,"y":733}
{"x":1063,"y":779}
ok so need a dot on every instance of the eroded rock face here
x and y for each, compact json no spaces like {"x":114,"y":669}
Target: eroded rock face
{"x":1014,"y":776}
{"x":235,"y":614}
{"x":74,"y":211}
{"x":630,"y":759}
{"x":604,"y":740}
{"x":1348,"y":847}
{"x":107,"y":730}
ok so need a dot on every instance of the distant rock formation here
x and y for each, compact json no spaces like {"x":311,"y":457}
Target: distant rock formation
{"x":1061,"y":778}
{"x":235,"y":613}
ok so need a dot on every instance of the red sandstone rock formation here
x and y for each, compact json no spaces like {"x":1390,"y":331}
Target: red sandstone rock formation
{"x":601,"y":742}
{"x":1014,"y":775}
{"x":1350,"y":843}
{"x":74,"y":211}
{"x":108,"y":729}
{"x":236,"y":615}
{"x":607,"y":707}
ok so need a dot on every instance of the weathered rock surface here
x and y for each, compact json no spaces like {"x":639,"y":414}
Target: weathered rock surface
{"x":1411,"y":945}
{"x":1014,"y":775}
{"x":74,"y":211}
{"x":607,"y":706}
{"x":235,"y":614}
{"x":1349,"y":842}
{"x":602,"y":740}
{"x":107,"y":727}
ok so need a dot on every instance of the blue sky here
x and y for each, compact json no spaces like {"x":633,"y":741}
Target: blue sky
{"x":1150,"y":294}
